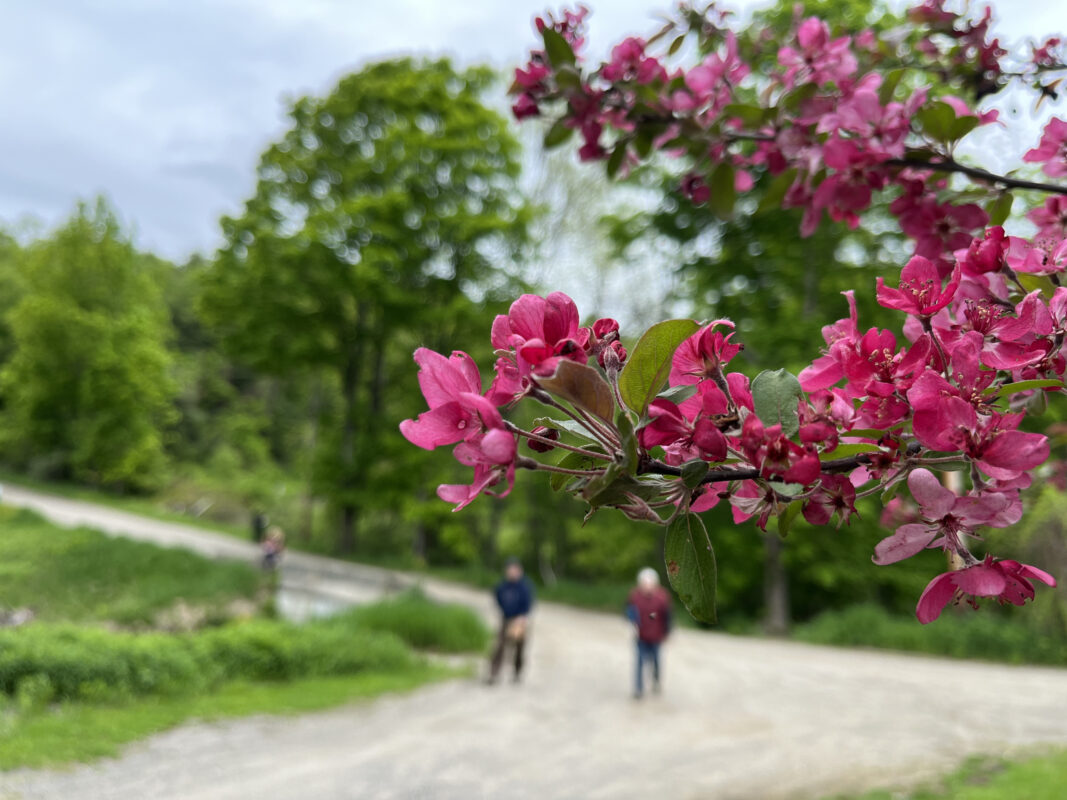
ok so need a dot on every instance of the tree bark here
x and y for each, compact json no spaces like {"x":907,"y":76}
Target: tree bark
{"x":775,"y":587}
{"x":347,"y":540}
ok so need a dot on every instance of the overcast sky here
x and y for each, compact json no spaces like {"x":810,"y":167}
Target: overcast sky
{"x":166,"y":106}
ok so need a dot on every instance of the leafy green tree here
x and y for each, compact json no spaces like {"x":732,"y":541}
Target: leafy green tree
{"x":87,"y":389}
{"x":377,"y":219}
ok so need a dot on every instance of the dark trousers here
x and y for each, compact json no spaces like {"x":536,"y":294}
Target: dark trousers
{"x":646,"y":651}
{"x":502,"y":644}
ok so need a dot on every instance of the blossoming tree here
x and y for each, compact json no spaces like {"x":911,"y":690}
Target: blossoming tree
{"x":671,"y":429}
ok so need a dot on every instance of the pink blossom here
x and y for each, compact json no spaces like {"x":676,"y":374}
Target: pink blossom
{"x":629,"y":63}
{"x":1051,"y":218}
{"x":541,"y":331}
{"x":819,"y":59}
{"x":685,"y":438}
{"x":964,"y":110}
{"x":703,"y":355}
{"x":1005,"y":581}
{"x":1052,"y":150}
{"x":835,"y":495}
{"x":491,"y":452}
{"x":447,"y":384}
{"x":945,"y":517}
{"x":920,"y":291}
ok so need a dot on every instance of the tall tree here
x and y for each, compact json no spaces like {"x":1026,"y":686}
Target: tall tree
{"x":87,"y":389}
{"x":380,"y":211}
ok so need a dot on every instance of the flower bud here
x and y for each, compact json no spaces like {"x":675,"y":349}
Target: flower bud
{"x":544,"y":433}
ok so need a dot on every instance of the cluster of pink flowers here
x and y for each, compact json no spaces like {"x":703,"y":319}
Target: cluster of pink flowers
{"x":985,"y":312}
{"x":834,"y":130}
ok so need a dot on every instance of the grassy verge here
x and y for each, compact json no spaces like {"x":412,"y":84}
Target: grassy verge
{"x":986,"y":635}
{"x":81,"y":574}
{"x":1041,"y":777}
{"x":84,"y":732}
{"x":145,"y":506}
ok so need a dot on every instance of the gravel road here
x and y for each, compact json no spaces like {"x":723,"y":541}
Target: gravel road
{"x":739,"y":718}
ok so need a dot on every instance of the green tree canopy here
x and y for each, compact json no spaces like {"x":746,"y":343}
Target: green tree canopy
{"x":378,"y":216}
{"x":87,"y":388}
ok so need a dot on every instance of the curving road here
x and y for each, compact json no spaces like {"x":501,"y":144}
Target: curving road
{"x":739,"y":718}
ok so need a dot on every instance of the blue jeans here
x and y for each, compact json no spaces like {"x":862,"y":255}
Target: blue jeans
{"x":646,"y":651}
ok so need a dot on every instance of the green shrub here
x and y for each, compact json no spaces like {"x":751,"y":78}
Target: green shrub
{"x":422,"y":623}
{"x":88,"y":663}
{"x":986,"y":634}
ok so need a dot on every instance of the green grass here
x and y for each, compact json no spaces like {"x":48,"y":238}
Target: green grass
{"x":81,"y":574}
{"x":146,"y":506}
{"x":421,"y":623}
{"x":1042,"y":777}
{"x":85,"y":732}
{"x":986,"y":634}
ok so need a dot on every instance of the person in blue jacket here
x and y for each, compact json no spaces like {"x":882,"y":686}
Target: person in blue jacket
{"x":515,"y":597}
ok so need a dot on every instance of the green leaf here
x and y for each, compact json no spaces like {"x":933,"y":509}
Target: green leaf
{"x":723,"y":193}
{"x":676,"y":45}
{"x":999,"y":209}
{"x":752,"y":116}
{"x":643,"y":142}
{"x":1021,"y":386}
{"x":774,"y":395}
{"x":572,"y":460}
{"x":568,"y":77}
{"x":889,"y":86}
{"x":846,"y":450}
{"x":629,"y":441}
{"x":786,"y":518}
{"x":962,"y":126}
{"x":582,"y":387}
{"x":557,"y":48}
{"x":649,"y":364}
{"x":615,"y":159}
{"x":557,"y":135}
{"x":690,"y":563}
{"x":1040,"y":282}
{"x":678,"y":394}
{"x":571,"y":426}
{"x":772,"y":198}
{"x":937,"y":119}
{"x":693,"y":472}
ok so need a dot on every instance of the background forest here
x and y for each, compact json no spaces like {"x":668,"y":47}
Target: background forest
{"x":401,"y":209}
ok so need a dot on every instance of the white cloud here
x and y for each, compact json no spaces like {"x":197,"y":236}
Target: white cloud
{"x":166,"y":106}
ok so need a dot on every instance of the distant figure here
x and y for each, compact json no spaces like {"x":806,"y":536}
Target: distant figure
{"x":515,"y":597}
{"x":259,"y":526}
{"x":649,"y":609}
{"x":273,"y":546}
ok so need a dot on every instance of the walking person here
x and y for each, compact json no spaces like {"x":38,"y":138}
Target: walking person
{"x":649,"y":609}
{"x":273,"y":546}
{"x":515,"y":598}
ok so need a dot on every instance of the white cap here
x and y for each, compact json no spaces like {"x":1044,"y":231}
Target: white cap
{"x":649,"y":576}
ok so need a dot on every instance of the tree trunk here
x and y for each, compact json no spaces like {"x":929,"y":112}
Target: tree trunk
{"x":346,"y":543}
{"x":775,"y":587}
{"x":307,"y":525}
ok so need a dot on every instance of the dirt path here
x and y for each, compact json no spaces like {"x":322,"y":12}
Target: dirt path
{"x":739,"y":718}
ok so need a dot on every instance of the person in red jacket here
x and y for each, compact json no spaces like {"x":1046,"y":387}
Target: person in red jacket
{"x":649,"y":609}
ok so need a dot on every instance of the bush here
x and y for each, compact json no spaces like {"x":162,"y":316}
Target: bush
{"x":986,"y":635}
{"x":82,"y":574}
{"x":422,"y":623}
{"x":80,"y":663}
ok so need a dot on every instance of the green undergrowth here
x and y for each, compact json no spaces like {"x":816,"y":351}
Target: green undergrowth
{"x":81,"y":574}
{"x":420,"y":623}
{"x":1040,"y":777}
{"x":982,"y":634}
{"x":42,"y":663}
{"x":70,"y":732}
